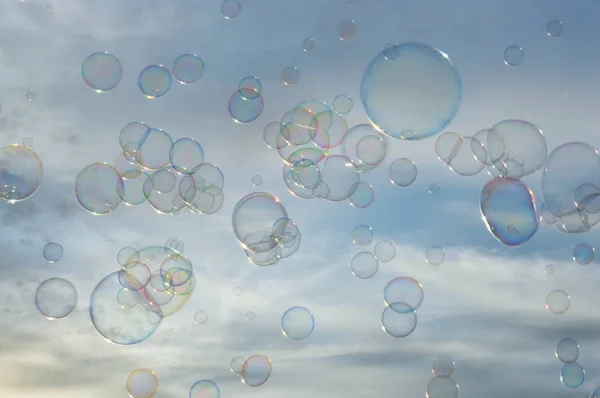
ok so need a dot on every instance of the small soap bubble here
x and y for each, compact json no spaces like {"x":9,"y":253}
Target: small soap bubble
{"x":572,"y":375}
{"x":155,"y":81}
{"x":290,"y":75}
{"x":347,"y":30}
{"x":402,"y":172}
{"x":237,"y":291}
{"x":558,"y":302}
{"x":308,"y":44}
{"x":584,"y":254}
{"x":385,"y":251}
{"x":443,"y":367}
{"x":231,"y":9}
{"x":53,"y":252}
{"x":102,"y":71}
{"x":567,"y":350}
{"x":200,"y":317}
{"x":362,"y":235}
{"x":434,"y":188}
{"x":435,"y":255}
{"x":549,"y":269}
{"x":256,"y":180}
{"x":514,"y":56}
{"x":30,"y":95}
{"x":250,"y":315}
{"x":555,"y":28}
{"x":342,"y":104}
{"x":49,"y":7}
{"x":27,"y":142}
{"x":237,"y":365}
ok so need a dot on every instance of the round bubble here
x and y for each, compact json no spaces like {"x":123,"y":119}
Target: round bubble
{"x":30,"y":95}
{"x":27,"y":142}
{"x":434,"y":188}
{"x":129,"y":138}
{"x":256,"y":370}
{"x":142,"y":383}
{"x":21,"y":173}
{"x":308,"y":44}
{"x":442,"y":387}
{"x":99,"y":188}
{"x":290,"y":75}
{"x":398,"y":320}
{"x":514,"y":56}
{"x":584,"y":254}
{"x":297,"y":323}
{"x":364,"y":146}
{"x":443,"y":366}
{"x":123,"y":326}
{"x":188,"y":68}
{"x":256,"y":180}
{"x":53,"y":252}
{"x":250,"y":87}
{"x":128,"y":255}
{"x":554,"y":28}
{"x":102,"y":71}
{"x":462,"y":154}
{"x":567,"y":350}
{"x":205,"y":389}
{"x":402,"y":172}
{"x":362,"y":235}
{"x":153,"y":150}
{"x":231,"y":9}
{"x":385,"y":251}
{"x":237,"y":365}
{"x":508,"y":209}
{"x":245,"y":105}
{"x":155,"y":81}
{"x":55,"y":298}
{"x":411,"y":91}
{"x":201,"y":317}
{"x":558,"y":302}
{"x":404,"y":289}
{"x":362,"y":195}
{"x":185,"y":155}
{"x":342,"y":104}
{"x":549,"y":269}
{"x":237,"y":291}
{"x":347,"y":30}
{"x":250,"y":315}
{"x":572,"y":375}
{"x":435,"y":255}
{"x":340,"y":175}
{"x":364,"y":265}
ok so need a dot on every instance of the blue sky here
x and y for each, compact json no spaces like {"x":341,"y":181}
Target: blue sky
{"x":484,"y":306}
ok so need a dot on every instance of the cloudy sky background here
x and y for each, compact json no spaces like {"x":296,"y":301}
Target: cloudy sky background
{"x":484,"y":306}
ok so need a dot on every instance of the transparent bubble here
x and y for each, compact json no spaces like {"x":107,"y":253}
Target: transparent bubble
{"x":237,"y":291}
{"x":342,"y":104}
{"x":250,"y":87}
{"x":175,"y":245}
{"x":30,"y":95}
{"x":567,"y":350}
{"x":99,"y":188}
{"x":127,"y":255}
{"x":297,"y":323}
{"x":362,"y":195}
{"x":155,"y":81}
{"x":256,"y":370}
{"x":231,"y":9}
{"x":364,"y":146}
{"x":185,"y":155}
{"x":256,"y":180}
{"x":49,"y":7}
{"x":290,"y":75}
{"x":462,"y":154}
{"x":245,"y":105}
{"x":554,"y":28}
{"x":385,"y":251}
{"x":584,"y":254}
{"x":398,"y":320}
{"x":308,"y":44}
{"x":411,"y":91}
{"x":514,"y":56}
{"x":188,"y":68}
{"x":153,"y":151}
{"x":362,"y":235}
{"x":53,"y":252}
{"x":347,"y":30}
{"x":250,"y":315}
{"x":21,"y":173}
{"x":549,"y":269}
{"x":402,"y":172}
{"x":442,"y":387}
{"x":200,"y":317}
{"x":102,"y":71}
{"x":237,"y":365}
{"x":142,"y":383}
{"x":443,"y":366}
{"x":558,"y":302}
{"x":434,"y":188}
{"x":404,"y":289}
{"x":205,"y":389}
{"x":364,"y":265}
{"x":508,"y":209}
{"x":55,"y":298}
{"x":435,"y":255}
{"x":572,"y":375}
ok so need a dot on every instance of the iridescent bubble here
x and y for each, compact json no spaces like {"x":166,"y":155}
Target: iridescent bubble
{"x":508,"y":210}
{"x":549,"y":269}
{"x":362,"y":195}
{"x":554,"y":28}
{"x":364,"y":146}
{"x":308,"y":44}
{"x":155,"y":81}
{"x":398,"y":320}
{"x":99,"y":188}
{"x":256,"y":370}
{"x":250,"y":87}
{"x":347,"y":30}
{"x":256,"y":180}
{"x":567,"y":350}
{"x":188,"y":68}
{"x":558,"y":302}
{"x":435,"y":255}
{"x":434,"y":188}
{"x":404,"y":289}
{"x":442,"y":387}
{"x":245,"y":105}
{"x":443,"y":366}
{"x":200,"y":317}
{"x":21,"y":173}
{"x":237,"y":365}
{"x":342,"y":104}
{"x":362,"y":235}
{"x":205,"y":389}
{"x":231,"y":9}
{"x":402,"y":172}
{"x":174,"y":245}
{"x":142,"y":383}
{"x":385,"y":251}
{"x":53,"y":252}
{"x":55,"y":298}
{"x":411,"y":91}
{"x":290,"y":75}
{"x":364,"y":265}
{"x":102,"y":71}
{"x":30,"y":95}
{"x":514,"y":56}
{"x":297,"y":323}
{"x":584,"y":254}
{"x":572,"y":375}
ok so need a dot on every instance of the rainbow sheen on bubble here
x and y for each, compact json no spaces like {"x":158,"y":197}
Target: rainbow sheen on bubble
{"x":102,"y":71}
{"x":205,"y":389}
{"x":188,"y":68}
{"x":141,"y":383}
{"x":154,"y":81}
{"x":21,"y":173}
